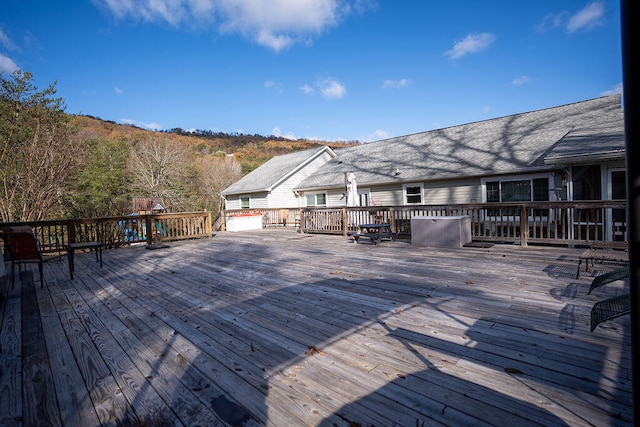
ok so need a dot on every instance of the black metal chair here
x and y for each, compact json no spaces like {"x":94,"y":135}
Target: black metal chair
{"x":613,"y":307}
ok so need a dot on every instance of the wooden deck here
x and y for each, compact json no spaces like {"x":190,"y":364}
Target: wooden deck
{"x":276,"y":328}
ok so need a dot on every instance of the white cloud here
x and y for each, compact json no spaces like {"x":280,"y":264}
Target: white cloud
{"x":522,"y":80}
{"x":552,"y":20}
{"x":396,"y":84}
{"x":7,"y":65}
{"x":376,"y":135}
{"x":278,"y":87}
{"x":473,"y":43}
{"x":6,"y":41}
{"x":276,"y":24}
{"x":486,"y":109}
{"x":587,"y":18}
{"x":118,"y":90}
{"x":307,"y":89}
{"x":151,"y":125}
{"x":614,"y":90}
{"x":331,"y":88}
{"x":277,"y":132}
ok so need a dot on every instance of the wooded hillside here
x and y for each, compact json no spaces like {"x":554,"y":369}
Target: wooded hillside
{"x":249,"y":150}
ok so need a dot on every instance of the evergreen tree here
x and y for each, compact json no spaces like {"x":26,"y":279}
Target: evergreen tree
{"x":36,"y":153}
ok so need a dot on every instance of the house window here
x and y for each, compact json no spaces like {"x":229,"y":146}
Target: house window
{"x":363,"y":198}
{"x":587,"y":183}
{"x":245,"y":202}
{"x":317,"y":199}
{"x":523,"y":190}
{"x":540,"y":188}
{"x":493,"y":191}
{"x":412,"y":194}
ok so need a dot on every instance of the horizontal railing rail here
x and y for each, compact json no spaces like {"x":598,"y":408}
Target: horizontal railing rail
{"x":561,"y":222}
{"x":55,"y":235}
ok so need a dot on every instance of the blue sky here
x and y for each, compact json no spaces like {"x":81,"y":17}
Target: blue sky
{"x":317,"y":69}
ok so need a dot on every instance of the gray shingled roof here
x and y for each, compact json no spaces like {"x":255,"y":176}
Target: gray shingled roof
{"x":270,"y":173}
{"x":518,"y":143}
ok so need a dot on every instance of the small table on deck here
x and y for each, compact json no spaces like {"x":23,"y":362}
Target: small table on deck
{"x":72,"y":247}
{"x":376,"y":232}
{"x":604,"y":252}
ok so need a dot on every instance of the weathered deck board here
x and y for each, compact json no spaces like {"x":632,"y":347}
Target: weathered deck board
{"x":10,"y":355}
{"x":76,"y":408}
{"x":39,"y":397}
{"x":276,"y":328}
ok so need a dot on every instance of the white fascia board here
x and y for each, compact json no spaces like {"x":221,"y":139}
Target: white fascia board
{"x":301,"y":165}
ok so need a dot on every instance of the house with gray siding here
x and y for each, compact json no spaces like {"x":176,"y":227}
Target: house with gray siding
{"x":273,"y":184}
{"x":569,"y":152}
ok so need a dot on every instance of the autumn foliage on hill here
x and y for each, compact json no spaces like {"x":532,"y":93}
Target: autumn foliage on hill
{"x":249,"y":150}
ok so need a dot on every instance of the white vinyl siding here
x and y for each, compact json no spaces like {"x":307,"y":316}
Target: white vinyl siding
{"x":387,"y":195}
{"x":256,"y":201}
{"x":283,"y":195}
{"x":336,"y":198}
{"x":259,"y":201}
{"x":452,"y":192}
{"x":434,"y":193}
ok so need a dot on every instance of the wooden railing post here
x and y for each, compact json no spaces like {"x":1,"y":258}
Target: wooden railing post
{"x":392,"y":220}
{"x":149,"y":227}
{"x":209,"y":224}
{"x":345,"y":222}
{"x":524,"y":225}
{"x":71,"y":232}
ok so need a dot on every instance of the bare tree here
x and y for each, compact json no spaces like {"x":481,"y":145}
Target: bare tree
{"x":161,"y":168}
{"x":37,"y":153}
{"x":216,"y":174}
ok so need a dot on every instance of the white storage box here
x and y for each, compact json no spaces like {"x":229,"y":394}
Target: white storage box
{"x":243,"y":222}
{"x":441,"y":231}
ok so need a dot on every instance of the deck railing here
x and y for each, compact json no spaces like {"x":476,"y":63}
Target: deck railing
{"x":565,"y":222}
{"x":270,"y":217}
{"x":562,"y":222}
{"x":55,"y":235}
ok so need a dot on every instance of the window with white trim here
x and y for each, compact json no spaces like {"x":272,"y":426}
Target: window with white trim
{"x":363,"y":197}
{"x":245,"y":202}
{"x":412,"y":193}
{"x":316,"y":199}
